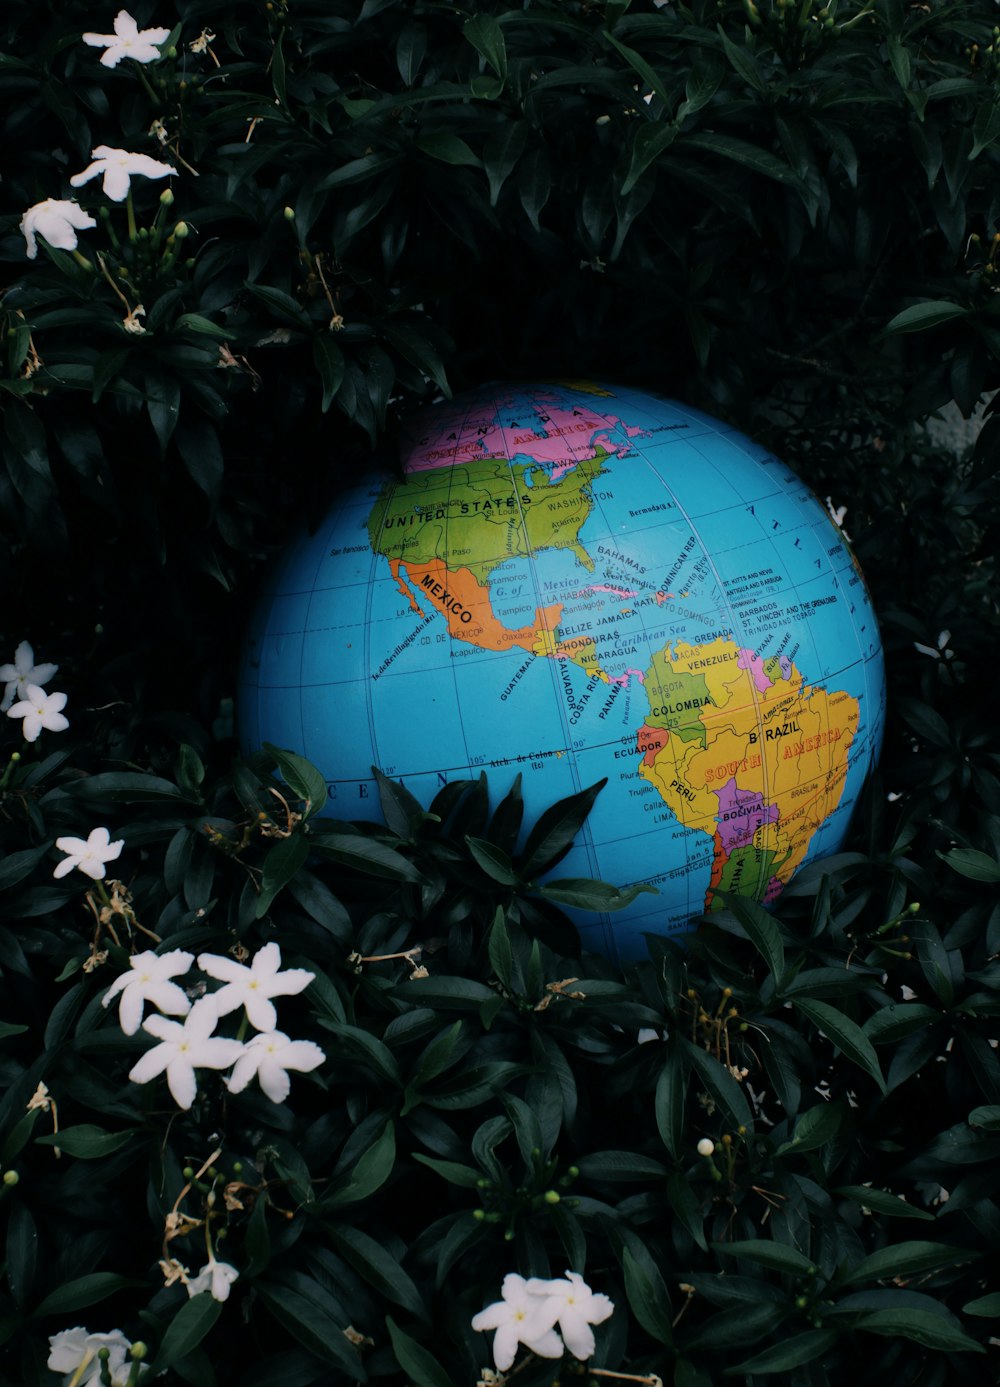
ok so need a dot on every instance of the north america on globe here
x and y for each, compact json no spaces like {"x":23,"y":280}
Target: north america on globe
{"x":575,"y":581}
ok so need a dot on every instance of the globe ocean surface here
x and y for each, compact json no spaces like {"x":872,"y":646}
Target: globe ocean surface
{"x":576,"y":582}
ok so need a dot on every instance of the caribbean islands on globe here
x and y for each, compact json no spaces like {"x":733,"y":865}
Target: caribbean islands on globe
{"x":572,"y":582}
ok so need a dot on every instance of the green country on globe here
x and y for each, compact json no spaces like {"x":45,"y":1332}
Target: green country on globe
{"x":575,"y":582}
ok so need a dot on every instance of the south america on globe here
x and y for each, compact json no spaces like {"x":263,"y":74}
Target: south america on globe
{"x":577,"y":581}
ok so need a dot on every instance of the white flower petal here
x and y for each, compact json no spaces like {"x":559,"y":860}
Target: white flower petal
{"x":130,"y":1010}
{"x":152,"y":1064}
{"x":181,"y":1081}
{"x":260,"y":1012}
{"x":225,"y":969}
{"x":244,"y":1070}
{"x":167,"y":996}
{"x":274,"y":1081}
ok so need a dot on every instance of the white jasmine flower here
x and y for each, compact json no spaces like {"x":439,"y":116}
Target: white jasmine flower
{"x":128,"y":41}
{"x":74,"y":1352}
{"x":214,"y":1276}
{"x":942,"y":647}
{"x":24,"y":671}
{"x":183,"y":1049}
{"x":270,"y":1057}
{"x":149,"y":981}
{"x":253,"y":987}
{"x":836,"y":513}
{"x":574,"y":1307}
{"x":57,"y":220}
{"x":118,"y":167}
{"x":519,"y":1318}
{"x":39,"y":709}
{"x":89,"y":854}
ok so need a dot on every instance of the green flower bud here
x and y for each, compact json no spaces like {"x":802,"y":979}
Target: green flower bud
{"x":188,"y":1172}
{"x":167,"y":197}
{"x":551,"y":1197}
{"x":139,"y":1350}
{"x":11,"y":1177}
{"x":289,"y":214}
{"x":479,"y":1215}
{"x":181,"y":230}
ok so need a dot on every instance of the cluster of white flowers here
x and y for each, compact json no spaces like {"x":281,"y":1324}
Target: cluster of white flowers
{"x":188,"y":1045}
{"x":23,"y":680}
{"x":74,"y":1352}
{"x":530,"y":1310}
{"x":58,"y":220}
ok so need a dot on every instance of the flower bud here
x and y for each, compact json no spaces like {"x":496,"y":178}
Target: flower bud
{"x":167,"y":197}
{"x":289,"y":214}
{"x":181,"y":230}
{"x":479,"y":1215}
{"x":10,"y":1178}
{"x":551,"y":1197}
{"x":139,"y":1350}
{"x":706,"y":1147}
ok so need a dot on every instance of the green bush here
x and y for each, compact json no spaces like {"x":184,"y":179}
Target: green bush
{"x":783,"y":214}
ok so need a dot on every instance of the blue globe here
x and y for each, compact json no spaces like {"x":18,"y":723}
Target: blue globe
{"x":574,"y":582}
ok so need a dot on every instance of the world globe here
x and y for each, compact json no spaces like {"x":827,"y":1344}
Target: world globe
{"x":577,"y":582}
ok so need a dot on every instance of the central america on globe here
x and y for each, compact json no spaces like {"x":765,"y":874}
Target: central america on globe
{"x":574,"y":582}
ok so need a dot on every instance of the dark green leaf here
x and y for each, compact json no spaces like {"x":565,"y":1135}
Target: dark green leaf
{"x":582,"y":893}
{"x":669,"y":1102}
{"x":649,"y":143}
{"x":647,"y":1298}
{"x":817,"y":1125}
{"x":370,"y":1171}
{"x":421,"y":1367}
{"x":302,"y":777}
{"x":933,"y":1331}
{"x":86,"y":1142}
{"x":720,"y":1084}
{"x":793,"y":1352}
{"x":364,"y":854}
{"x":186,"y":1330}
{"x":969,"y":862}
{"x":554,"y":833}
{"x":81,"y":1293}
{"x":493,"y":861}
{"x":768,"y":1254}
{"x":905,"y":1260}
{"x":761,"y":930}
{"x":845,"y":1034}
{"x":376,"y":1266}
{"x":893,"y":1023}
{"x":309,"y":1322}
{"x":329,"y":362}
{"x":741,"y":152}
{"x":283,"y":860}
{"x":881,"y":1202}
{"x":486,"y":36}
